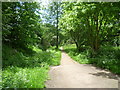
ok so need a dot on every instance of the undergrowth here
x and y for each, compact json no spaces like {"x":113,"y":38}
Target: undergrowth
{"x":107,"y":57}
{"x":72,"y":52}
{"x":22,"y":70}
{"x":16,"y":77}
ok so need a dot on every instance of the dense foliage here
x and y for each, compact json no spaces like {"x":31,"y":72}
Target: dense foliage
{"x":31,"y":33}
{"x":19,"y":23}
{"x":54,"y":12}
{"x":23,"y":71}
{"x":23,"y":27}
{"x":107,"y":58}
{"x":95,"y":30}
{"x":27,"y":52}
{"x":90,"y":24}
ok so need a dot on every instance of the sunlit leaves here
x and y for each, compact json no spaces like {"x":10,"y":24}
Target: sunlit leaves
{"x":94,"y":19}
{"x":20,"y":23}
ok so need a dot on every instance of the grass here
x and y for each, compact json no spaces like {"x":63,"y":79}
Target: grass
{"x":16,"y":77}
{"x":56,"y":56}
{"x":72,"y":52}
{"x":107,"y":57}
{"x":27,"y":71}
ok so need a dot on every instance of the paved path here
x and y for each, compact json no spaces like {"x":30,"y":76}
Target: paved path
{"x":71,"y":74}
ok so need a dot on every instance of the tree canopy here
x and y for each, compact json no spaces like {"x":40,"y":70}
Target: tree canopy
{"x":91,"y":24}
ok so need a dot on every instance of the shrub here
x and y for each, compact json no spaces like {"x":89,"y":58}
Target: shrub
{"x":15,"y":77}
{"x":107,"y":57}
{"x":31,"y":71}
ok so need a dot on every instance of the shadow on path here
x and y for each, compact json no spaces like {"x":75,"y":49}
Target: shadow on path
{"x":71,"y":74}
{"x":106,"y":75}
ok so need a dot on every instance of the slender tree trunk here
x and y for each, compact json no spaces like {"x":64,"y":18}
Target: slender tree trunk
{"x":90,"y":35}
{"x":57,"y":33}
{"x":97,"y":35}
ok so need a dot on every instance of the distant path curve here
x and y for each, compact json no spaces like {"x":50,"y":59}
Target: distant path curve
{"x":71,"y":74}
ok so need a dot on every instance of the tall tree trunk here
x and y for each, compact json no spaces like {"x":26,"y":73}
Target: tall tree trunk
{"x":90,"y":35}
{"x":57,"y":33}
{"x":97,"y":34}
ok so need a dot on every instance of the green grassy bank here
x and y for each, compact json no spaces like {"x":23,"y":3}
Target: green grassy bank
{"x":27,"y":70}
{"x":107,"y":57}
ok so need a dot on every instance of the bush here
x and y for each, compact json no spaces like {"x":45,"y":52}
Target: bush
{"x":79,"y":57}
{"x":56,"y":57}
{"x":21,"y":71}
{"x":107,"y":57}
{"x":15,"y":77}
{"x":12,"y":57}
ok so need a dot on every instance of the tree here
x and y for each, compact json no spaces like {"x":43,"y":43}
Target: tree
{"x":20,"y":23}
{"x":54,"y":11}
{"x":71,"y":22}
{"x":89,"y":27}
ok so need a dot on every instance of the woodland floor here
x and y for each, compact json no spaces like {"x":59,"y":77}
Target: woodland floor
{"x":71,"y":74}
